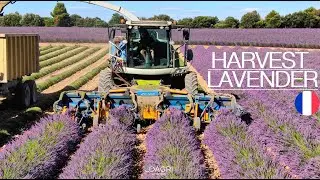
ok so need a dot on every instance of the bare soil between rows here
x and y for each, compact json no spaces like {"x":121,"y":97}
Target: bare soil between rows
{"x":72,"y":44}
{"x":57,"y":72}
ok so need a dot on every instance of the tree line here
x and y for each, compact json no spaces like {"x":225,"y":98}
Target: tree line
{"x":308,"y":18}
{"x":59,"y":17}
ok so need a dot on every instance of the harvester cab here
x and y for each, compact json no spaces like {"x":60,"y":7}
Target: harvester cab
{"x":144,"y":51}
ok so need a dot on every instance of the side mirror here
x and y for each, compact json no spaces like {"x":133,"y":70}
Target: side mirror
{"x":186,"y":34}
{"x":112,"y":33}
{"x":189,"y":55}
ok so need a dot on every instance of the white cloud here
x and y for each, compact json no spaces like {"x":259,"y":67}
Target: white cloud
{"x":249,"y":9}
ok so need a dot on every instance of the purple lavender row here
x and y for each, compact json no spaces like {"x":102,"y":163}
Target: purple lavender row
{"x":291,"y":138}
{"x":238,"y":155}
{"x":41,"y":151}
{"x":239,"y":37}
{"x":282,"y":102}
{"x":203,"y":62}
{"x":254,"y":37}
{"x":173,"y":150}
{"x":107,"y":152}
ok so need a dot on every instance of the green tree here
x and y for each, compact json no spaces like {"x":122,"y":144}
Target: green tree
{"x":60,"y":16}
{"x":115,"y":19}
{"x":2,"y":21}
{"x":100,"y":23}
{"x":204,"y":21}
{"x":74,"y":19}
{"x":161,"y":17}
{"x":261,"y":24}
{"x":38,"y":21}
{"x":143,"y":18}
{"x":89,"y":22}
{"x":185,"y":21}
{"x":273,"y":20}
{"x":30,"y":19}
{"x":313,"y":11}
{"x":250,"y":19}
{"x":48,"y":21}
{"x":229,"y":22}
{"x":301,"y":19}
{"x":221,"y":25}
{"x":12,"y":19}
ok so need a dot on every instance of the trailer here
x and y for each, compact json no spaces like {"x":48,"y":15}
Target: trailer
{"x":19,"y":56}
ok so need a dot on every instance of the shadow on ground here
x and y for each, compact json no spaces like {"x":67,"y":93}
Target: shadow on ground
{"x":14,"y":121}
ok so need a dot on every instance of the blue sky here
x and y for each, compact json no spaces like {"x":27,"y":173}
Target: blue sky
{"x":176,"y":9}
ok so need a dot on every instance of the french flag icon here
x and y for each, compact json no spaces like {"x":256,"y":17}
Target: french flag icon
{"x":307,"y":103}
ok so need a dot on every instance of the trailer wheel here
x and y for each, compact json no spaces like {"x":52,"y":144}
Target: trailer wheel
{"x":23,"y":95}
{"x":105,"y":80}
{"x":33,"y":89}
{"x":191,"y":83}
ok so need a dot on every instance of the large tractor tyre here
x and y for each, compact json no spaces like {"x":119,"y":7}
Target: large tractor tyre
{"x":33,"y":91}
{"x":105,"y":80}
{"x":191,"y":83}
{"x":23,"y":95}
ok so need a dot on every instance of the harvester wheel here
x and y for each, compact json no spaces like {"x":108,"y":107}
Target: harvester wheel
{"x":23,"y":95}
{"x":33,"y":91}
{"x":105,"y":80}
{"x":191,"y":83}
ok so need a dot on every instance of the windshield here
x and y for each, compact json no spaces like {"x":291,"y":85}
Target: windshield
{"x":159,"y":34}
{"x":149,"y":48}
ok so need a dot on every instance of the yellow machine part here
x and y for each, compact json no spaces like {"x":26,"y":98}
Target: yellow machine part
{"x":149,"y":112}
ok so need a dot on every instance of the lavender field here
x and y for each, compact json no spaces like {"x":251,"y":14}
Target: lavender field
{"x":279,"y":143}
{"x":304,"y":38}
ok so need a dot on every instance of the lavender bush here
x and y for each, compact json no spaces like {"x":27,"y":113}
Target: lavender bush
{"x":123,"y":116}
{"x":277,"y":128}
{"x":305,"y":38}
{"x":311,"y":170}
{"x":293,"y":139}
{"x":239,"y":156}
{"x":106,"y":153}
{"x":40,"y":151}
{"x":173,"y":149}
